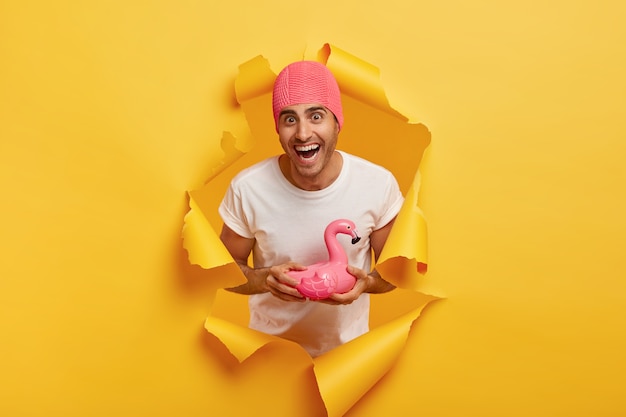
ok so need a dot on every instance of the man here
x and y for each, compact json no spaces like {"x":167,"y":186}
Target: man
{"x":278,"y":210}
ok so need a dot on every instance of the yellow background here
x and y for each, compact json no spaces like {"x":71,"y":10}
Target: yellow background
{"x":111,"y":111}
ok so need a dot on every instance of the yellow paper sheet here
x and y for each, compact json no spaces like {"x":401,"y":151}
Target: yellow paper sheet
{"x":344,"y":374}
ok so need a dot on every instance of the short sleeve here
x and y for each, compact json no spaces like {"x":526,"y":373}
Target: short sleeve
{"x":391,"y":204}
{"x":232,"y":213}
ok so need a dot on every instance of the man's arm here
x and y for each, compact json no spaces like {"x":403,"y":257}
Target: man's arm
{"x":240,"y":248}
{"x":273,"y":279}
{"x":378,"y":238}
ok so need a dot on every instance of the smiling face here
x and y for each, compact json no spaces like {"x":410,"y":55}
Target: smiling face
{"x":308,"y":135}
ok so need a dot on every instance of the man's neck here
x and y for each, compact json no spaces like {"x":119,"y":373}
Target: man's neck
{"x":313,"y":183}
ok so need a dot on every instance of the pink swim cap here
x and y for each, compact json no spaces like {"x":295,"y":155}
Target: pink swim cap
{"x":306,"y":82}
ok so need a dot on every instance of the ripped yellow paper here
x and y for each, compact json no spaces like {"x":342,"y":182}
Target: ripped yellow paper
{"x":373,"y":130}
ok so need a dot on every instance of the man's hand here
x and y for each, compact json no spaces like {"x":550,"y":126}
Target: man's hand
{"x":370,"y":283}
{"x":282,"y":285}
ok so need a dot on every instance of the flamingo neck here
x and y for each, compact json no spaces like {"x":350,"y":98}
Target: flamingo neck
{"x":335,"y":250}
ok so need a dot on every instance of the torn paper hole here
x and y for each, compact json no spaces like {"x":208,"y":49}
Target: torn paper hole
{"x":374,"y":131}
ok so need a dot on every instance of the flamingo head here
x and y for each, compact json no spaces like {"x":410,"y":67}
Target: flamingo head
{"x":346,"y":227}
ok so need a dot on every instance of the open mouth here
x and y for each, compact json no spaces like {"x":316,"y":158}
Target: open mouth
{"x":307,"y":152}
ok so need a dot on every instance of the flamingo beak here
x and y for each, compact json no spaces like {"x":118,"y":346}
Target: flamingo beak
{"x":356,"y":238}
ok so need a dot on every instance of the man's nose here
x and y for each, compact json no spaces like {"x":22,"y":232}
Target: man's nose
{"x":304,"y":131}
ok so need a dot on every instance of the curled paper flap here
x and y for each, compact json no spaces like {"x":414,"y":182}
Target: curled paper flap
{"x":201,"y":241}
{"x":255,"y":79}
{"x":242,"y":342}
{"x":357,"y":78}
{"x":342,"y":375}
{"x":205,"y":249}
{"x":403,"y":261}
{"x":349,"y":371}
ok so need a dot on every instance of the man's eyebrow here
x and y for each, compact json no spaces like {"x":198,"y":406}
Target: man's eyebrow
{"x":286,"y":111}
{"x":315,"y":108}
{"x":307,"y":110}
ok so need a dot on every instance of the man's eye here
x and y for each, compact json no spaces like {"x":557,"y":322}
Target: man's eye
{"x":317,"y":116}
{"x":290,"y":119}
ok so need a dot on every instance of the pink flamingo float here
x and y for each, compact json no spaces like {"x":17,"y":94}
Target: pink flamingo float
{"x":322,"y":279}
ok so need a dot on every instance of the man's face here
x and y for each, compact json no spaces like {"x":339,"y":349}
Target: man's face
{"x":308,"y":135}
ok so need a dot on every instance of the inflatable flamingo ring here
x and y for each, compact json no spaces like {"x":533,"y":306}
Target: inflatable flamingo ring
{"x":322,"y":279}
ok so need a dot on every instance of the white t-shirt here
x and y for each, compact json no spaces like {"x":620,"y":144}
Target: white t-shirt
{"x":288,"y":224}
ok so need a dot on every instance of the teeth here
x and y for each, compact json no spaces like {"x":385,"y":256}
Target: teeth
{"x":307,"y":148}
